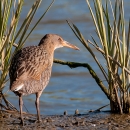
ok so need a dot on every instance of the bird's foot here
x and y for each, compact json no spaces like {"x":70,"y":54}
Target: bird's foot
{"x":38,"y":121}
{"x":22,"y":122}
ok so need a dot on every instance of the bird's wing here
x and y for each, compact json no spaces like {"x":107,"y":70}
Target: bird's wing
{"x":28,"y":63}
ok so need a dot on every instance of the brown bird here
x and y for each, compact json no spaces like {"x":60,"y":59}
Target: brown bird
{"x":30,"y":68}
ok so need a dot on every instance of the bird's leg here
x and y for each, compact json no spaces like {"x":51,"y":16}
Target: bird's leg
{"x":37,"y":106}
{"x":21,"y":105}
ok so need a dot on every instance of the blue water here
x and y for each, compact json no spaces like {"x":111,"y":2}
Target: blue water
{"x":69,"y":89}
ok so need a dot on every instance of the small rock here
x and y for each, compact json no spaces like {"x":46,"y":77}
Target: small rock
{"x":102,"y":122}
{"x":91,"y":110}
{"x":44,"y":121}
{"x":73,"y":121}
{"x":94,"y":125}
{"x":76,"y":111}
{"x":49,"y":120}
{"x":65,"y":112}
{"x":77,"y":123}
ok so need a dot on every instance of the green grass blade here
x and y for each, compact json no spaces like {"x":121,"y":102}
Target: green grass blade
{"x":37,"y":22}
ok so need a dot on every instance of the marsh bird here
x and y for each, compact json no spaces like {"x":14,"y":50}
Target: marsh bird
{"x":30,"y":68}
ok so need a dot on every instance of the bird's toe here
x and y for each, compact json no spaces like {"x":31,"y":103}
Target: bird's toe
{"x":22,"y":123}
{"x":38,"y":121}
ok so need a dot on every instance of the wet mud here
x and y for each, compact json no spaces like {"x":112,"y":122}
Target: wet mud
{"x":89,"y":121}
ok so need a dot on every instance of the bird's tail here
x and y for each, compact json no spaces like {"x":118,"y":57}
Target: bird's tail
{"x":16,"y":85}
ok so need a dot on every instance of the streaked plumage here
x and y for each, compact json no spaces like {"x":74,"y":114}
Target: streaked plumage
{"x":31,"y":66}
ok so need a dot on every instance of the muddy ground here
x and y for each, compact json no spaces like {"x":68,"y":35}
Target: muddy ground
{"x":89,"y":121}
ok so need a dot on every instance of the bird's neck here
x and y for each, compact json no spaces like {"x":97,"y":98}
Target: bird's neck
{"x":49,"y":48}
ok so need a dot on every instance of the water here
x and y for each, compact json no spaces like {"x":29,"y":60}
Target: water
{"x":69,"y":89}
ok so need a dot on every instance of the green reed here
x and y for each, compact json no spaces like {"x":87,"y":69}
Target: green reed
{"x":113,"y":44}
{"x":11,"y":31}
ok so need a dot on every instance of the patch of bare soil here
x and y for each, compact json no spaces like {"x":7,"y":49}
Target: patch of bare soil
{"x":90,"y":121}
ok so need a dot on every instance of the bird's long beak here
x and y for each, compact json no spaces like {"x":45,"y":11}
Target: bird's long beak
{"x":67,"y":44}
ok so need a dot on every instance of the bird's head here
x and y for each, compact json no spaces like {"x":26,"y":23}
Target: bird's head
{"x":56,"y":41}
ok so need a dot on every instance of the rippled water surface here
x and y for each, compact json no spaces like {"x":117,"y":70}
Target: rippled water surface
{"x":69,"y":89}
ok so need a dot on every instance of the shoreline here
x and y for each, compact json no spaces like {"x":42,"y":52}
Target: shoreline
{"x":89,"y":121}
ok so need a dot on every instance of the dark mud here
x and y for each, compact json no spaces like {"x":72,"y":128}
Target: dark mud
{"x":90,"y":121}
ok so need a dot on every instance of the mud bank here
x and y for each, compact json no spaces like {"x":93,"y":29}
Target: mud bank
{"x":89,"y":121}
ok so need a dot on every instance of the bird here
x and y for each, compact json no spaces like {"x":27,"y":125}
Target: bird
{"x":30,"y":69}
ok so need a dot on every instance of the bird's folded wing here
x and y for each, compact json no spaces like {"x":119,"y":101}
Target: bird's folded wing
{"x":27,"y":66}
{"x":31,"y":69}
